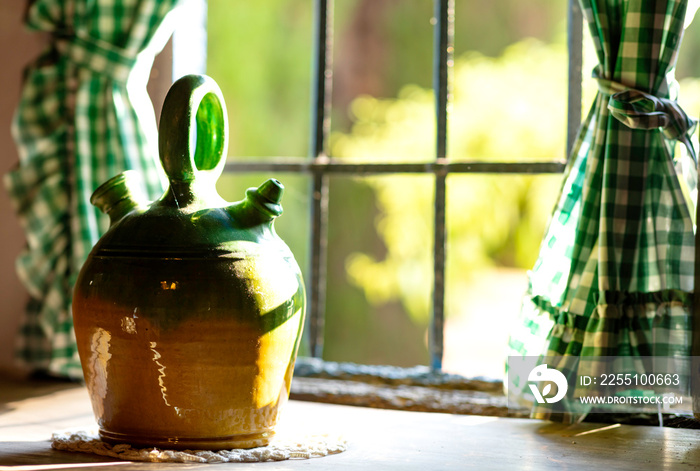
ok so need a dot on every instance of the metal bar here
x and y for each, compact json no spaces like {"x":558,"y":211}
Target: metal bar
{"x":442,"y":61}
{"x":575,"y":46}
{"x":442,"y":54}
{"x":321,"y":77}
{"x":330,"y":166}
{"x":437,"y":324}
{"x":320,"y":131}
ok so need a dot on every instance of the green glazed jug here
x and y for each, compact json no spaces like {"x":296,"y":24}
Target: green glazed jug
{"x":189,"y":310}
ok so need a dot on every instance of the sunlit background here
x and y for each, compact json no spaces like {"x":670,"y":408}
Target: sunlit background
{"x":508,"y":104}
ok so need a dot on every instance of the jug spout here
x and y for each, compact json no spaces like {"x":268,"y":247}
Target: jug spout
{"x":261,"y":205}
{"x":119,"y":195}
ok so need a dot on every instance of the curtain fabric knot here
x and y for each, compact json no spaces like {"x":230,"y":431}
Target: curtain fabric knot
{"x":640,"y":110}
{"x":97,"y":56}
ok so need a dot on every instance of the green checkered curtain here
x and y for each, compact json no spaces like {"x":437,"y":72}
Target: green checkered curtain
{"x":614,"y":275}
{"x":80,"y":120}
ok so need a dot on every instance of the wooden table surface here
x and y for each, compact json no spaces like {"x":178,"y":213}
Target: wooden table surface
{"x":377,"y":439}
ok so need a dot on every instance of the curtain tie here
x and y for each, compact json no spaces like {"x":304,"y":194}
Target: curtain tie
{"x":640,"y":110}
{"x":97,"y":56}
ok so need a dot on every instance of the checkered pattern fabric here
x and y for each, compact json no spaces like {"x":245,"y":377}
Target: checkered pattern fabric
{"x":78,"y":123}
{"x":614,"y":275}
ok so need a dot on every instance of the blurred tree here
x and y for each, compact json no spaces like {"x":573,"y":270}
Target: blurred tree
{"x":504,"y":109}
{"x":509,"y":104}
{"x":260,"y":56}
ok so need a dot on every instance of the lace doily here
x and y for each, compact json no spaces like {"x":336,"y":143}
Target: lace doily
{"x":314,"y":446}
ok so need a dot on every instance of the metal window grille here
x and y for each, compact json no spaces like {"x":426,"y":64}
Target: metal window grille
{"x":320,"y":164}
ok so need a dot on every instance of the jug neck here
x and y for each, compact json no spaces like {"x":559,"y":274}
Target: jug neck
{"x":119,"y":196}
{"x":195,"y":194}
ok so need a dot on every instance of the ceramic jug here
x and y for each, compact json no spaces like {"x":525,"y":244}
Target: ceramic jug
{"x":189,"y":310}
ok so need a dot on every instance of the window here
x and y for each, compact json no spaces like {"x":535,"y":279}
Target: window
{"x":437,"y":172}
{"x":320,"y":175}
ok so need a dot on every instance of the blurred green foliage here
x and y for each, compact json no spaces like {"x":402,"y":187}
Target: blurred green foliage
{"x":260,"y":56}
{"x":503,"y":109}
{"x":508,"y":104}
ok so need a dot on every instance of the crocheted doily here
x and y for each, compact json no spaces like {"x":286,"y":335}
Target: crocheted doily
{"x":313,"y":446}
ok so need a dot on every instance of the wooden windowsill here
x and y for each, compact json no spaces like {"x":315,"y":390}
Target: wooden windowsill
{"x":403,"y":397}
{"x":377,"y":438}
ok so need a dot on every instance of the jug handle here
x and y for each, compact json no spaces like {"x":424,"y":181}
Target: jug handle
{"x":193,"y":131}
